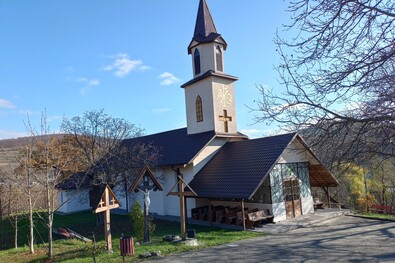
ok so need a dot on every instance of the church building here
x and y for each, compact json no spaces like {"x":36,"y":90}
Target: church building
{"x":221,"y":165}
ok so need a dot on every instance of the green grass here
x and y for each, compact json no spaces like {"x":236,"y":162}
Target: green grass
{"x":85,"y":222}
{"x":378,"y":216}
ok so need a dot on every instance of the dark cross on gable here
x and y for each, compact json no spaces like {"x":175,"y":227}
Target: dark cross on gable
{"x":182,"y":194}
{"x":145,"y":183}
{"x":226,"y":119}
{"x":105,"y":202}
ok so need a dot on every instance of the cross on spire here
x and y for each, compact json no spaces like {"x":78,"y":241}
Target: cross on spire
{"x":226,"y":119}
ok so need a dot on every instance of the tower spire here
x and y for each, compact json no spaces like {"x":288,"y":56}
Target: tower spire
{"x":205,"y":30}
{"x":204,"y":22}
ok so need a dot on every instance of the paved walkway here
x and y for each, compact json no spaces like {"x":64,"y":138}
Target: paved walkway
{"x":341,"y":239}
{"x":319,"y":216}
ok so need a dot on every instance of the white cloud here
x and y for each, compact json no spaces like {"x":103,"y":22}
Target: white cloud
{"x":123,"y":65}
{"x":160,"y":110}
{"x":168,"y":79}
{"x":6,"y":104}
{"x":11,"y":134}
{"x":89,"y":83}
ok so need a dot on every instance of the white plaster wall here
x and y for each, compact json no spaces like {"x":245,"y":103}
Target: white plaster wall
{"x":207,"y":57}
{"x":75,"y":201}
{"x":225,"y":87}
{"x":296,"y":152}
{"x":279,"y":211}
{"x":119,"y":192}
{"x":211,"y":90}
{"x":307,"y":205}
{"x":202,"y":88}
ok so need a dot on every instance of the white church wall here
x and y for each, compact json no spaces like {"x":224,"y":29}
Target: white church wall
{"x":296,"y":153}
{"x":223,"y":94}
{"x":207,"y":57}
{"x":203,"y":89}
{"x":279,"y":211}
{"x":307,"y":205}
{"x":119,"y":192}
{"x":74,"y":201}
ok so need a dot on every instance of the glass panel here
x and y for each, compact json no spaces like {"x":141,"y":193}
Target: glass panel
{"x":276,"y":184}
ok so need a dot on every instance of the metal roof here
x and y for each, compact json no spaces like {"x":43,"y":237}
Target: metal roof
{"x":176,"y":147}
{"x":240,"y":167}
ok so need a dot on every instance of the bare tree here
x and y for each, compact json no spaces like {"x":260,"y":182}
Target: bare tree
{"x":338,"y":71}
{"x":98,"y":137}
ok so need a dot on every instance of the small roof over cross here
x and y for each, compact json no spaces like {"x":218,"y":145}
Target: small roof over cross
{"x":139,"y":183}
{"x":107,"y":200}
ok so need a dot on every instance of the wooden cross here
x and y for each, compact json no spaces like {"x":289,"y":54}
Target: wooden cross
{"x":108,"y":201}
{"x":182,"y":194}
{"x":225,"y":118}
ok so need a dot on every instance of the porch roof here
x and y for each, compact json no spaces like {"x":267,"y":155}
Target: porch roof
{"x":239,"y":168}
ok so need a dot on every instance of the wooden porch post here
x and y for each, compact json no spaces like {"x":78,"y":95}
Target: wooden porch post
{"x":329,"y":197}
{"x":210,"y":213}
{"x":243,"y":214}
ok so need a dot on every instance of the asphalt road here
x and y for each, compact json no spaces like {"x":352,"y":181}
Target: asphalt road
{"x":343,"y":239}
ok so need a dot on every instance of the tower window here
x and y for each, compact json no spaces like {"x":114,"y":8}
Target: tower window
{"x":196,"y":60}
{"x":218,"y":58}
{"x":199,"y":109}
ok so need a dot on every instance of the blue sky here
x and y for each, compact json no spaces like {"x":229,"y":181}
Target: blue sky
{"x":128,"y":57}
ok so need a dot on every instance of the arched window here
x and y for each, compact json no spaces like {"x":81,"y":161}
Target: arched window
{"x":218,"y":58}
{"x":196,"y":60}
{"x":199,"y":109}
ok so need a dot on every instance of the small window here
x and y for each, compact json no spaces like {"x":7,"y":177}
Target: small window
{"x":218,"y":58}
{"x":196,"y":59}
{"x":199,"y":109}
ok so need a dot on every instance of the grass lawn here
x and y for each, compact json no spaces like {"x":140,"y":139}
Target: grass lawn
{"x":85,"y":222}
{"x":379,"y":216}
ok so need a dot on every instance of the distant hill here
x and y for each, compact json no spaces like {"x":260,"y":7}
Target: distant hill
{"x":21,"y":141}
{"x":10,"y":150}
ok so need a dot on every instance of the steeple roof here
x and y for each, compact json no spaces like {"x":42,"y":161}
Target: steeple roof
{"x":205,"y":30}
{"x":204,"y":22}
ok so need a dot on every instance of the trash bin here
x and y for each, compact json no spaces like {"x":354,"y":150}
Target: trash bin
{"x":127,"y":246}
{"x":191,"y":233}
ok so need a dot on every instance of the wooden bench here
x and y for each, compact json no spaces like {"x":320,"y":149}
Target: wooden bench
{"x":200,"y":213}
{"x":254,"y":218}
{"x":318,"y":204}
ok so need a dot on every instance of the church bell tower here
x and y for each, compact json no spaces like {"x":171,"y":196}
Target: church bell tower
{"x":209,"y":96}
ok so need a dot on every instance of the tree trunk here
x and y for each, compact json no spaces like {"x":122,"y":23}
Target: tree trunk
{"x":31,"y":223}
{"x":16,"y":231}
{"x":49,"y":222}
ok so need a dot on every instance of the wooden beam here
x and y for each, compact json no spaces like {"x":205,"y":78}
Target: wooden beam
{"x":210,"y":213}
{"x":107,"y":227}
{"x":329,"y":197}
{"x":243,"y":216}
{"x":185,"y":194}
{"x":182,"y":209}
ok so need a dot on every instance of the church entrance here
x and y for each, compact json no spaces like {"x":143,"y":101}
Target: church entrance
{"x":291,"y":190}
